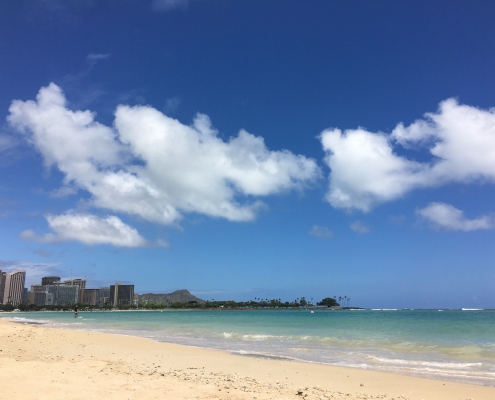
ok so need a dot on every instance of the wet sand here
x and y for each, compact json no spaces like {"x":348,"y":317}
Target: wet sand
{"x":45,"y":363}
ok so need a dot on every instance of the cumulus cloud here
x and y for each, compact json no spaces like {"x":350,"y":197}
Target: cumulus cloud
{"x":321,"y":232}
{"x":446,"y":216}
{"x":360,"y":227}
{"x":91,"y":230}
{"x":366,"y":169}
{"x":153,"y":166}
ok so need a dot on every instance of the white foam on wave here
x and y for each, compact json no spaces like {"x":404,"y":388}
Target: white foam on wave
{"x":436,"y":364}
{"x":467,"y":376}
{"x":472,"y":309}
{"x":253,"y":336}
{"x":264,"y":355}
{"x":260,"y":337}
{"x":29,"y":320}
{"x":360,"y":365}
{"x":384,"y":309}
{"x":249,"y":336}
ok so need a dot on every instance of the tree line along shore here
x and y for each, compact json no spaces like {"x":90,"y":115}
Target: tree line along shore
{"x":256,"y":303}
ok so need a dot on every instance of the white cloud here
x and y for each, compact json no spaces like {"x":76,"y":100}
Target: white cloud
{"x":359,"y":227}
{"x":154,"y":166}
{"x":91,"y":230}
{"x":321,"y":232}
{"x":446,"y":216}
{"x":365,"y":170}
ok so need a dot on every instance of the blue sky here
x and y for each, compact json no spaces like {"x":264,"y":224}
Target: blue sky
{"x":252,"y":149}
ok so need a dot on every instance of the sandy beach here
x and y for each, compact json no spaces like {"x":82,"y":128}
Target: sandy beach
{"x":46,"y":363}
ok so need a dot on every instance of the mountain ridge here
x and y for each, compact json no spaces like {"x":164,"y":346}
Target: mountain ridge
{"x":177,"y":296}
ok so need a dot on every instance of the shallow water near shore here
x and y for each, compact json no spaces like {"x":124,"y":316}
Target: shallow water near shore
{"x":455,"y":345}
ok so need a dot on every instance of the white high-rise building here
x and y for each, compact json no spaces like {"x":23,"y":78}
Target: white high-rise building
{"x":63,"y":295}
{"x":14,"y":287}
{"x":81,"y":284}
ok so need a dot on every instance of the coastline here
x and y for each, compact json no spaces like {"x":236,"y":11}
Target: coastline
{"x":39,"y":362}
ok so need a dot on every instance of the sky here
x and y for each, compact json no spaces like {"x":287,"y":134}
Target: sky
{"x":242,"y":149}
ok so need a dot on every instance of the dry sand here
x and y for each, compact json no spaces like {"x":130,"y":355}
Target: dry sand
{"x":43,"y":363}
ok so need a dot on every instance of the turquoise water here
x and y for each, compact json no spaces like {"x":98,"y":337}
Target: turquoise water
{"x":449,"y":344}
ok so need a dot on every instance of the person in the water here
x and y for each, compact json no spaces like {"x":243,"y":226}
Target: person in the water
{"x":75,"y":312}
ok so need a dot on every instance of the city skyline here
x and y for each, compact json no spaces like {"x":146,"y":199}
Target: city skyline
{"x":243,"y":150}
{"x":52,"y":291}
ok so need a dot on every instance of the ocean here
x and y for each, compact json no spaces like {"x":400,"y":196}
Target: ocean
{"x":457,"y":345}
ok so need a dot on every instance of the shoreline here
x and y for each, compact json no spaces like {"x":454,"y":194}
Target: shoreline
{"x":220,"y":309}
{"x":442,"y":370}
{"x":56,"y":361}
{"x":252,"y":354}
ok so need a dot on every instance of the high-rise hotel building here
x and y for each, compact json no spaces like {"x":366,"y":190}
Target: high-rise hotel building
{"x":81,"y":284}
{"x":90,"y":297}
{"x":121,"y":294}
{"x":62,"y":294}
{"x":13,"y":287}
{"x":49,"y":280}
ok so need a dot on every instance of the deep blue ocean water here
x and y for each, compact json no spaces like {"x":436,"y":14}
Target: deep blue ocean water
{"x":444,"y":344}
